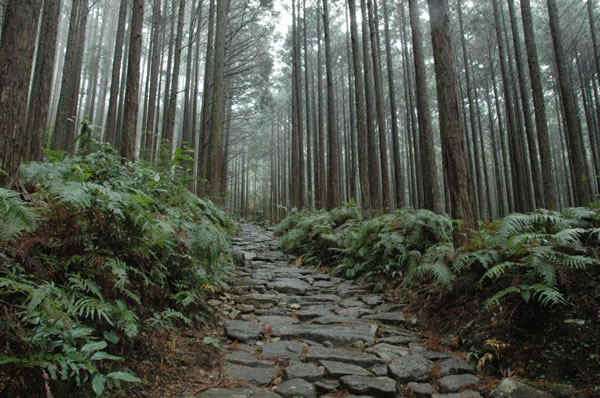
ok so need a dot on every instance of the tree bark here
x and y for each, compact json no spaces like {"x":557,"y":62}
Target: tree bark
{"x":431,"y":197}
{"x":64,"y":131}
{"x":130,"y":113}
{"x":380,"y":104}
{"x":361,"y":123}
{"x":397,"y":164}
{"x":374,"y":169}
{"x":42,"y":81}
{"x":169,"y":133}
{"x":111,"y":121}
{"x":453,"y":144}
{"x":576,"y":154}
{"x":217,"y":119}
{"x":333,"y":172}
{"x":550,"y":200}
{"x":17,"y":47}
{"x":154,"y":78}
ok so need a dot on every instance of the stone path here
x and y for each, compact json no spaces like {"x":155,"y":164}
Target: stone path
{"x":297,"y":332}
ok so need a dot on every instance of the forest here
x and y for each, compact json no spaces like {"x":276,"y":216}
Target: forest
{"x":189,"y":185}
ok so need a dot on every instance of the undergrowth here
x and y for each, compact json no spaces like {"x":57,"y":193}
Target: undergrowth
{"x":524,"y":255}
{"x":92,"y":253}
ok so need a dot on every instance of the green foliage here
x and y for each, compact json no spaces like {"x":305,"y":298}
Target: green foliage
{"x":15,"y":216}
{"x":525,"y":256}
{"x":98,"y":252}
{"x":313,"y":233}
{"x":392,"y":243}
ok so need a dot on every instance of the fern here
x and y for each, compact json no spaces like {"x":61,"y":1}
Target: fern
{"x":15,"y":216}
{"x":497,"y":271}
{"x":440,"y":272}
{"x":78,"y":283}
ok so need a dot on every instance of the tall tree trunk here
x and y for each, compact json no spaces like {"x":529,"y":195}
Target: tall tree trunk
{"x":186,"y":135}
{"x":431,"y":197}
{"x":154,"y":78}
{"x":333,"y":172}
{"x":550,"y":200}
{"x":379,"y":104}
{"x":42,"y":81}
{"x":374,"y":169}
{"x":307,"y":97}
{"x":297,"y":124}
{"x":361,"y":123}
{"x":453,"y":144}
{"x":64,"y":131}
{"x":475,"y":132}
{"x":576,"y":154}
{"x":130,"y":114}
{"x":322,"y":191}
{"x":217,"y":119}
{"x":17,"y":47}
{"x":397,"y":164}
{"x":529,"y":129}
{"x":519,"y":180}
{"x":169,"y":133}
{"x":111,"y":121}
{"x":206,"y":97}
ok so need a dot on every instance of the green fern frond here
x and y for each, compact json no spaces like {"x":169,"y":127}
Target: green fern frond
{"x":78,"y":283}
{"x":569,"y":237}
{"x":442,"y":275}
{"x":541,"y":267}
{"x":572,"y":261}
{"x":495,"y":299}
{"x":465,"y":260}
{"x":547,"y":295}
{"x":15,"y":216}
{"x":497,"y":271}
{"x":92,"y":308}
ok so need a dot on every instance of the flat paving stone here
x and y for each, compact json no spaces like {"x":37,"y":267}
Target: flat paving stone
{"x":258,"y":300}
{"x":340,"y":355}
{"x":264,"y":394}
{"x":339,"y":369}
{"x":403,"y":339}
{"x":330,"y":320}
{"x":454,"y":366}
{"x":259,"y":376}
{"x":388,"y":352}
{"x":247,"y":359}
{"x":295,"y":388}
{"x":379,"y":370}
{"x":282,"y":350}
{"x":378,"y":386}
{"x":245,"y":331}
{"x":337,"y":335}
{"x":464,"y":394}
{"x":389,"y":318}
{"x":225,"y":393}
{"x":455,"y":383}
{"x":326,"y":386}
{"x":411,"y":368}
{"x":306,"y":371}
{"x":314,"y":312}
{"x":355,"y":312}
{"x":276,"y":320}
{"x":291,"y":286}
{"x":421,"y":389}
{"x":511,"y":388}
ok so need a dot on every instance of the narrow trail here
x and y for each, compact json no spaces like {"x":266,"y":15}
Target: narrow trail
{"x":298,"y":332}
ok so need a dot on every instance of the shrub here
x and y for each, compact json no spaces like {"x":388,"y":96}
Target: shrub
{"x":529,"y":256}
{"x":98,"y":251}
